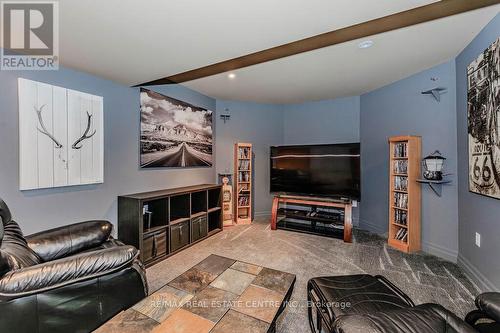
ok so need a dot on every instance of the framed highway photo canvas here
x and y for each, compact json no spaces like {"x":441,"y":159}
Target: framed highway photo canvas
{"x":174,"y":133}
{"x":483,"y":122}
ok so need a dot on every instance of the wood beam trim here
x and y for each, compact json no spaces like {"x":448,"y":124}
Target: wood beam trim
{"x":431,"y":12}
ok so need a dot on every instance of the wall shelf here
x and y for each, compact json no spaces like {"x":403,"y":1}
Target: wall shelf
{"x":435,"y":92}
{"x":435,"y":185}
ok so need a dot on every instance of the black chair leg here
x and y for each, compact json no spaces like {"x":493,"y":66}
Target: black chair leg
{"x":309,"y":310}
{"x":318,"y":321}
{"x":313,"y":302}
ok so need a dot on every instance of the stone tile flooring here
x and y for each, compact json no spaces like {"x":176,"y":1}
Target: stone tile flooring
{"x":217,"y":295}
{"x":425,"y":278}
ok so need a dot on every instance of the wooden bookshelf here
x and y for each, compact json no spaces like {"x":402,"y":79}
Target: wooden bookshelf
{"x":404,"y":193}
{"x":243,"y":183}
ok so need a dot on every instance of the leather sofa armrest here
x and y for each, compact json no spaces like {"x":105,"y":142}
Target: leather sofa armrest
{"x":489,"y":303}
{"x":61,"y":272}
{"x":67,"y":240}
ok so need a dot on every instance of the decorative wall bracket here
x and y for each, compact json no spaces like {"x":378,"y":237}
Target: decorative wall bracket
{"x":225,"y":117}
{"x":436,"y":92}
{"x":435,"y":185}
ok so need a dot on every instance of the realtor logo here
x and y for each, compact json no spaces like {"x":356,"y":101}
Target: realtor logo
{"x":30,"y":35}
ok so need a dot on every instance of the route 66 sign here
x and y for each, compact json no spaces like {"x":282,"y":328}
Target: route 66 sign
{"x":483,"y":123}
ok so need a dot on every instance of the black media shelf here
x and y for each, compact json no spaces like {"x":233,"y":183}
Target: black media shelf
{"x":162,"y":223}
{"x":318,"y":228}
{"x":321,"y":216}
{"x":328,"y":223}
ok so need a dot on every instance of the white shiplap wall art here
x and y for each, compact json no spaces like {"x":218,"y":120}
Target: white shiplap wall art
{"x":61,"y":141}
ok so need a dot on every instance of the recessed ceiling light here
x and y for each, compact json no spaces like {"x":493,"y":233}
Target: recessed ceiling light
{"x":365,"y":44}
{"x":231,"y":75}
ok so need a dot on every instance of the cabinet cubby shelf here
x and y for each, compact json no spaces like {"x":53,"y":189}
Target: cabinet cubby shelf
{"x":178,"y":218}
{"x":198,"y":214}
{"x":155,"y":229}
{"x":177,"y":221}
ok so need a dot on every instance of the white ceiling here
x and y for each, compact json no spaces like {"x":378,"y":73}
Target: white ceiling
{"x":133,"y":41}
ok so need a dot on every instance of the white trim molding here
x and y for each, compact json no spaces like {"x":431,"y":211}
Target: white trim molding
{"x":473,"y":273}
{"x":440,"y":251}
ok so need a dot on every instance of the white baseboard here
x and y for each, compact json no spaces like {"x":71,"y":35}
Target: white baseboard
{"x":440,"y":251}
{"x":475,"y":275}
{"x":430,"y":248}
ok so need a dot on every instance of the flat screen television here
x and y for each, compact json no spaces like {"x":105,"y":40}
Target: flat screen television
{"x":331,"y":170}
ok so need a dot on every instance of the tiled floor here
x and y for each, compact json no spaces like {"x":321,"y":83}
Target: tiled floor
{"x":217,"y":295}
{"x":423,"y":277}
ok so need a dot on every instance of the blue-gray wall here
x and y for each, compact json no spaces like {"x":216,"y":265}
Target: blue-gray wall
{"x":476,"y":213}
{"x":42,"y":209}
{"x":259,"y":124}
{"x":329,"y":121}
{"x":401,"y":109}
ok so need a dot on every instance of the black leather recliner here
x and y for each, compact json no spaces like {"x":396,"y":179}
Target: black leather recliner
{"x":68,"y":279}
{"x":372,"y":304}
{"x":486,"y":319}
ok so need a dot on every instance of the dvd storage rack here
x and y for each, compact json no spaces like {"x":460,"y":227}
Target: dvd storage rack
{"x":404,"y":193}
{"x":243,"y":183}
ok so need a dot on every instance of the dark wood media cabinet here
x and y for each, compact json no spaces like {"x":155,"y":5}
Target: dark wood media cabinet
{"x":162,"y":223}
{"x":308,"y":217}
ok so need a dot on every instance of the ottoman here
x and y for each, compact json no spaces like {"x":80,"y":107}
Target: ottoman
{"x":335,"y":296}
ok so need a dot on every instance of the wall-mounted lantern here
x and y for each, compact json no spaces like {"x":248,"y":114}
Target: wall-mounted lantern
{"x":433,"y":166}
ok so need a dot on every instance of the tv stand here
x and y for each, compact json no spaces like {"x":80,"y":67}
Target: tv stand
{"x":320,"y":216}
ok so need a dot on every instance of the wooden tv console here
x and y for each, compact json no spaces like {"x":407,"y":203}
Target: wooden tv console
{"x":315,"y":203}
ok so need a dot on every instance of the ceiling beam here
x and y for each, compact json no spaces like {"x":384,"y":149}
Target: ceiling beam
{"x":434,"y":11}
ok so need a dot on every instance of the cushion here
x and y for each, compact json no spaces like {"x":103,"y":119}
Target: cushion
{"x":1,"y":229}
{"x":356,"y":294}
{"x":425,"y":318}
{"x":489,"y":303}
{"x":70,"y":239}
{"x":14,"y":251}
{"x":67,"y":270}
{"x":4,"y":212}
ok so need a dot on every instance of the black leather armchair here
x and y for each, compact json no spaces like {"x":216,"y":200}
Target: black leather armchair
{"x":69,"y":279}
{"x":486,"y":319}
{"x":372,"y":304}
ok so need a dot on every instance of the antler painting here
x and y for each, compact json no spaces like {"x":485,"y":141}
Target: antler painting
{"x":60,"y":135}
